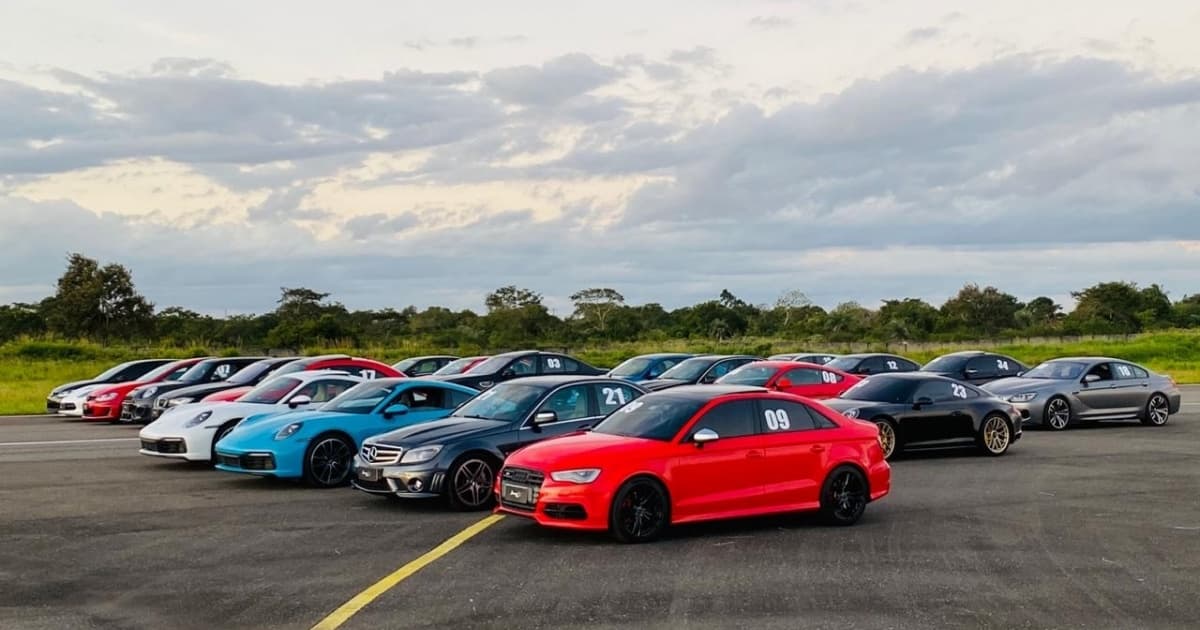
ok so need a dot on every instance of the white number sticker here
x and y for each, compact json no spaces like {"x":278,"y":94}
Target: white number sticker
{"x":633,"y":406}
{"x":892,"y":365}
{"x":613,"y":396}
{"x":1124,"y":370}
{"x":554,"y":364}
{"x":367,"y":374}
{"x":778,"y":420}
{"x":1002,"y":364}
{"x":959,"y":390}
{"x":828,"y":377}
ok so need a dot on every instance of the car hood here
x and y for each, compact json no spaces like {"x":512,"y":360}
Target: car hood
{"x":581,"y":450}
{"x":177,"y":417}
{"x":273,"y":420}
{"x":202,"y":390}
{"x":663,"y":383}
{"x":841,"y":405}
{"x":161,"y":387}
{"x":449,"y":429}
{"x":81,"y":391}
{"x":1020,"y":385}
{"x":61,"y":389}
{"x":119,"y":388}
{"x":230,"y":394}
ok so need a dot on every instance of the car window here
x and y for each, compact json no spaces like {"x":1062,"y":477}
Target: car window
{"x":324,"y":390}
{"x":612,"y":397}
{"x":874,"y":365}
{"x":1103,"y":370}
{"x":424,"y":398}
{"x":457,"y":398}
{"x":809,"y":376}
{"x":985,"y":366}
{"x":1139,"y":372}
{"x":659,"y":367}
{"x":729,"y":420}
{"x":222,"y":372}
{"x":780,"y":416}
{"x":569,"y":403}
{"x":524,"y":366}
{"x":943,"y":391}
{"x":174,"y":376}
{"x":724,"y":367}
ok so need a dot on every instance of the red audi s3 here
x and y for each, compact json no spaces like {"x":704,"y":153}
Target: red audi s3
{"x":698,"y":453}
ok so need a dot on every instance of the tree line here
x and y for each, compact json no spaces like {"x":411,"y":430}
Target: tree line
{"x":102,"y":303}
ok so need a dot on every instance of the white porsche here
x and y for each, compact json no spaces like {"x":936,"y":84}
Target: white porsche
{"x":191,"y":431}
{"x":71,"y":403}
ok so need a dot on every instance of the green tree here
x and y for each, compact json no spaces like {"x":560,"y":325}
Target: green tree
{"x":849,"y":321}
{"x":20,"y":319}
{"x":511,"y":297}
{"x":98,"y":302}
{"x":596,"y":306}
{"x":1108,"y":308}
{"x":980,"y":312}
{"x":907,"y":319}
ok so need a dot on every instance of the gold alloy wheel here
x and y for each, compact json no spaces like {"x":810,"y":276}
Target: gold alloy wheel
{"x":887,"y":437}
{"x":996,"y":434}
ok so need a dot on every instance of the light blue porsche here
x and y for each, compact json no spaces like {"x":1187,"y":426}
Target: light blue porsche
{"x":319,"y":445}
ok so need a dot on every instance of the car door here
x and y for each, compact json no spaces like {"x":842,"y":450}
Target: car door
{"x":944,"y":418}
{"x":574,"y":405}
{"x":1099,"y":397}
{"x":873,"y":365}
{"x":794,"y":454}
{"x":722,"y":477}
{"x":1132,"y":388}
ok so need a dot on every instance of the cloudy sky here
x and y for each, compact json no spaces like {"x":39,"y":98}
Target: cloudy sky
{"x":398,"y":152}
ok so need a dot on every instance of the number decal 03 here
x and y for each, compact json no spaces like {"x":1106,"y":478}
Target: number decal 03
{"x":613,"y":396}
{"x":553,"y":363}
{"x":777,"y":420}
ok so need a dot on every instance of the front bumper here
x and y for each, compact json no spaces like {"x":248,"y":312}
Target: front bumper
{"x":554,"y":504}
{"x":100,"y":411}
{"x":415,"y":481}
{"x":1032,"y":412}
{"x":53,"y":404}
{"x":140,"y":411}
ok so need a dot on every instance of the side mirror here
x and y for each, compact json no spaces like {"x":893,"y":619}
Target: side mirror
{"x":922,"y":402}
{"x":299,"y":401}
{"x":508,"y":373}
{"x":783,"y":383}
{"x":703,"y":436}
{"x":1021,"y":373}
{"x":970,"y":372}
{"x":1091,"y":378}
{"x":709,"y":379}
{"x":398,"y":409}
{"x":545,"y":417}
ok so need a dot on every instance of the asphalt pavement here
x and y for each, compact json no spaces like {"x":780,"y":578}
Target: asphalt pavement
{"x":1095,"y":527}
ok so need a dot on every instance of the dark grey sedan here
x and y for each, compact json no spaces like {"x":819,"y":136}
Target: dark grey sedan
{"x":1062,"y":392}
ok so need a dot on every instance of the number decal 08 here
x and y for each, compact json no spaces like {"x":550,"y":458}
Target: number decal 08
{"x":828,"y":377}
{"x":777,"y":420}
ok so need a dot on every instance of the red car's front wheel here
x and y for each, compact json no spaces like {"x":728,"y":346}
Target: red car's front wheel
{"x":640,"y":511}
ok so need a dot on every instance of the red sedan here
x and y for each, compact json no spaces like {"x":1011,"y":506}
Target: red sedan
{"x":104,"y":404}
{"x":698,"y":453}
{"x":793,"y":377}
{"x":366,"y":368}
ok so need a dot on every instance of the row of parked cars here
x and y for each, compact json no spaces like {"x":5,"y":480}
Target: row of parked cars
{"x":657,"y":440}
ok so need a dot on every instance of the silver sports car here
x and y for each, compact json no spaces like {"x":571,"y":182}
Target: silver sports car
{"x":1062,"y":392}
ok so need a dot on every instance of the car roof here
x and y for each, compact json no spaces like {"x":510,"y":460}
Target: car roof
{"x":664,"y":355}
{"x":967,"y":353}
{"x":782,"y":363}
{"x":708,"y":392}
{"x":1096,"y":359}
{"x":309,"y":375}
{"x":912,"y":376}
{"x":867,"y":355}
{"x":551,"y":380}
{"x":426,"y":357}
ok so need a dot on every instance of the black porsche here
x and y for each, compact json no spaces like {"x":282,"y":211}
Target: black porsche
{"x":457,"y":458}
{"x":510,"y":365}
{"x":873,"y":363}
{"x":702,"y":370}
{"x":919,"y":410}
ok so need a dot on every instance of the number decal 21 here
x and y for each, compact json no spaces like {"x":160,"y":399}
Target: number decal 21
{"x":613,"y":396}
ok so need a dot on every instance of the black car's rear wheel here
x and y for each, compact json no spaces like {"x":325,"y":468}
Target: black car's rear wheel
{"x":640,"y":511}
{"x":995,"y":435}
{"x":471,"y":480}
{"x":844,"y":496}
{"x":888,"y":440}
{"x":1058,"y":414}
{"x":327,"y":461}
{"x":1157,"y":412}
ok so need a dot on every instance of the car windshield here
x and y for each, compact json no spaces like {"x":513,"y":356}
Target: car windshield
{"x":404,"y":365}
{"x":270,"y":392}
{"x":490,"y":366}
{"x":197,"y":373}
{"x":293,"y":367}
{"x":112,"y":371}
{"x":653,"y":417}
{"x":882,"y":389}
{"x":947,"y":363}
{"x":845,"y":364}
{"x":632,"y":367}
{"x":1057,"y":370}
{"x":362,"y":398}
{"x":756,"y":375}
{"x":508,"y":402}
{"x":688,"y":370}
{"x":160,"y":371}
{"x":455,"y":367}
{"x":252,"y":372}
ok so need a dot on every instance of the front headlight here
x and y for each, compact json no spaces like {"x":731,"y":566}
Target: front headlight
{"x":288,"y":431}
{"x":1022,"y":398}
{"x":421,"y":455}
{"x":110,"y":396}
{"x":149,"y":392}
{"x":851,"y":413}
{"x":579,"y":475}
{"x":200,"y":418}
{"x":182,"y":400}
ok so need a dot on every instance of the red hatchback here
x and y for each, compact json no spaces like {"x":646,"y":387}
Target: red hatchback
{"x":793,"y":377}
{"x":104,"y":404}
{"x":366,"y":368}
{"x":698,"y":453}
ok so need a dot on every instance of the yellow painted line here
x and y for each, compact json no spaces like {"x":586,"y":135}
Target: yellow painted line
{"x":350,"y":608}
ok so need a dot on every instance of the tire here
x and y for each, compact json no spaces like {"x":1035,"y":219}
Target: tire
{"x":640,"y":511}
{"x":222,"y":431}
{"x":327,"y":461}
{"x":995,"y":435}
{"x":469,"y":482}
{"x":1157,"y":411}
{"x":889,"y":437}
{"x":844,"y":496}
{"x":1057,"y":414}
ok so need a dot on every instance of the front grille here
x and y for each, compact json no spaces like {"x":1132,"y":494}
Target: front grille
{"x":51,"y":404}
{"x":229,"y":460}
{"x":172,"y":445}
{"x":160,"y":403}
{"x":523,"y":475}
{"x":380,"y":485}
{"x":256,"y":461}
{"x":67,"y":406}
{"x":127,"y":411}
{"x":375,"y":454}
{"x":566,"y":511}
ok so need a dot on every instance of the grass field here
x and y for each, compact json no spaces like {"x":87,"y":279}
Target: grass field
{"x":29,"y":370}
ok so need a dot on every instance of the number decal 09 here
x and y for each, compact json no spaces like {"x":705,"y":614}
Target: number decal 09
{"x":777,"y":420}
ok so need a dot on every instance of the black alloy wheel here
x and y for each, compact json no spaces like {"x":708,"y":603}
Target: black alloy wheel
{"x":640,"y":511}
{"x":844,"y":496}
{"x":327,"y":461}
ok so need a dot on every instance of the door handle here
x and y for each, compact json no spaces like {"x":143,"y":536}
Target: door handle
{"x":754,"y":454}
{"x":817,"y":448}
